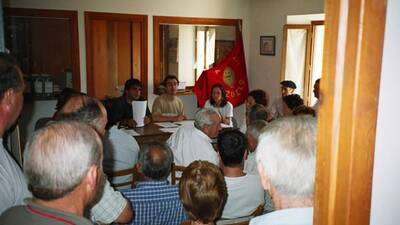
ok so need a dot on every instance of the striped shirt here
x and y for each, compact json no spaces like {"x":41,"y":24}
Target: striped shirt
{"x":155,"y":202}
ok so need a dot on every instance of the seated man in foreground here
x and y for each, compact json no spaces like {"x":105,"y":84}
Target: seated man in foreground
{"x":112,"y":207}
{"x":154,"y":200}
{"x":190,"y":143}
{"x":245,"y":192}
{"x":65,"y":179}
{"x":287,"y":169}
{"x":168,"y":106}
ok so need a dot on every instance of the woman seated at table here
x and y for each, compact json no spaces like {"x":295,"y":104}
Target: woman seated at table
{"x":220,"y":104}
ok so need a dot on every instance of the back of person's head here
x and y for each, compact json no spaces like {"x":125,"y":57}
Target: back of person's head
{"x":64,"y":96}
{"x":203,"y":117}
{"x":10,"y":75}
{"x":203,"y":192}
{"x":155,"y":161}
{"x":232,"y":145}
{"x":57,"y":158}
{"x":293,"y":101}
{"x":85,"y":109}
{"x":258,"y":112}
{"x":288,"y":84}
{"x":132,"y":83}
{"x":259,"y":96}
{"x":256,"y":127}
{"x":304,"y":110}
{"x":286,"y":152}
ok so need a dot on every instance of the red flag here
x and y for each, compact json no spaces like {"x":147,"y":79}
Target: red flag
{"x":230,"y":72}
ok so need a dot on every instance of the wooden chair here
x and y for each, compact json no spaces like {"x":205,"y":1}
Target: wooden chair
{"x":111,"y":175}
{"x":176,"y":170}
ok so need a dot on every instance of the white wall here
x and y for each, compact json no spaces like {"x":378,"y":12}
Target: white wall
{"x":386,"y":179}
{"x":267,"y":17}
{"x":233,"y":9}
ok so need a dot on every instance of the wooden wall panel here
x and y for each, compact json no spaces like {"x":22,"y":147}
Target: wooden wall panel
{"x":348,"y":111}
{"x":124,"y":55}
{"x":136,"y":50}
{"x":100,"y":67}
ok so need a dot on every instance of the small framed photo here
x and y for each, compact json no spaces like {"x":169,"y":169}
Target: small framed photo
{"x":267,"y":45}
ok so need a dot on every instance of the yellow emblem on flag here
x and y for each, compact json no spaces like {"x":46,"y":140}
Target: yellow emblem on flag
{"x":229,"y":76}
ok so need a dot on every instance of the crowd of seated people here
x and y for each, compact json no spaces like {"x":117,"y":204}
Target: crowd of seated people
{"x":64,"y":181}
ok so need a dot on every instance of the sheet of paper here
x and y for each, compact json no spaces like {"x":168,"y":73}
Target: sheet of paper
{"x":139,"y":112}
{"x":167,"y":124}
{"x":131,"y":132}
{"x":225,"y":125}
{"x":185,"y":122}
{"x":169,"y":130}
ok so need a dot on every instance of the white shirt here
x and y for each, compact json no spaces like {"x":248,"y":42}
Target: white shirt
{"x":250,"y":165}
{"x":316,"y":107}
{"x":292,"y":216}
{"x":276,"y":109}
{"x":120,"y":152}
{"x":13,"y":189}
{"x":189,"y":144}
{"x":245,"y":194}
{"x":226,"y":111}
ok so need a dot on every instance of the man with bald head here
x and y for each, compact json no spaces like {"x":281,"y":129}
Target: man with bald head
{"x":112,"y":207}
{"x":63,"y":168}
{"x":154,"y":200}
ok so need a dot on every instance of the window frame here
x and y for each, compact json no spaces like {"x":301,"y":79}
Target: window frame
{"x":160,"y":20}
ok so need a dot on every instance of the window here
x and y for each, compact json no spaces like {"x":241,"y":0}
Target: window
{"x":302,"y":57}
{"x":185,"y":47}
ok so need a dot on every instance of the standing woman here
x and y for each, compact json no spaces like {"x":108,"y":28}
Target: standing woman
{"x":220,"y":104}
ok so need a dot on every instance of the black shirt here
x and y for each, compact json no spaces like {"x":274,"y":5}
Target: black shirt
{"x":119,"y":109}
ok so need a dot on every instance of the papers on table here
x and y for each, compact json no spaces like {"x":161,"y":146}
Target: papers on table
{"x":167,"y":124}
{"x":130,"y":132}
{"x":185,"y":122}
{"x":169,"y":130}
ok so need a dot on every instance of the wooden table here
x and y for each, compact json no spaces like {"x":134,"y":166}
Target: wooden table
{"x":150,"y":133}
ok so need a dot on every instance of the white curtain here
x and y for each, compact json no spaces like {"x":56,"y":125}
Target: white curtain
{"x":210,"y":47}
{"x":295,"y":57}
{"x":186,"y":49}
{"x":200,"y":45}
{"x":317,"y":58}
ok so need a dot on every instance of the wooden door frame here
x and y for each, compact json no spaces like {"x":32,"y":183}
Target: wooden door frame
{"x":353,"y":48}
{"x":142,"y":19}
{"x":159,"y":20}
{"x":72,"y":16}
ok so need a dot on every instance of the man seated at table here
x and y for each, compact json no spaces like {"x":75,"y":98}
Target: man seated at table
{"x":287,"y":88}
{"x":112,"y":207}
{"x":245,"y":192}
{"x":168,"y":106}
{"x":287,"y":169}
{"x":120,"y":109}
{"x":154,"y":200}
{"x":63,"y":169}
{"x":253,"y":132}
{"x":190,"y":143}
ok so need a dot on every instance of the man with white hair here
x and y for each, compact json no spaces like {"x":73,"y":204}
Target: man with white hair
{"x":286,"y":163}
{"x":254,"y":130}
{"x":63,"y":168}
{"x":190,"y":143}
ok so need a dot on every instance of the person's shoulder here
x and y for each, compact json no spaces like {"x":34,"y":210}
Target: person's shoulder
{"x":9,"y":216}
{"x":229,"y":105}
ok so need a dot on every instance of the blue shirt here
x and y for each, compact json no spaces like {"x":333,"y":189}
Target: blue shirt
{"x":155,"y":202}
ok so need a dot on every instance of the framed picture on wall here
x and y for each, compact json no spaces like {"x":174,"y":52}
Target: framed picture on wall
{"x":267,"y":45}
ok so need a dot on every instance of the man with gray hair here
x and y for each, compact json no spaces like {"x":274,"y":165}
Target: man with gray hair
{"x":286,"y":163}
{"x":254,"y":130}
{"x":190,"y":143}
{"x":112,"y":207}
{"x":63,"y":168}
{"x":154,"y":200}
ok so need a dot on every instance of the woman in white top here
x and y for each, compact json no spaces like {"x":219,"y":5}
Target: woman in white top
{"x":219,"y":102}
